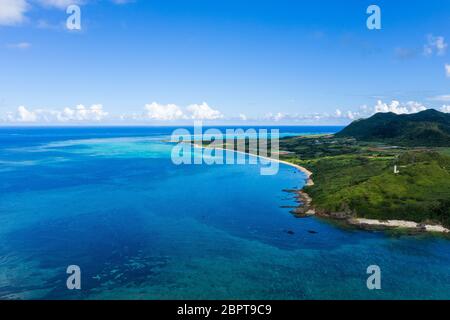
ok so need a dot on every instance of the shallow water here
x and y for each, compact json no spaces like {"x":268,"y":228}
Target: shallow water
{"x":111,"y":201}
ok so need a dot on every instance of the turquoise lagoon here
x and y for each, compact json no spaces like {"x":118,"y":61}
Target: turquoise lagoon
{"x":111,"y":201}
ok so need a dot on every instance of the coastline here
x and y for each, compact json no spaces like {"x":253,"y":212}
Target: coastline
{"x":309,"y":181}
{"x":306,"y":209}
{"x":402,"y":224}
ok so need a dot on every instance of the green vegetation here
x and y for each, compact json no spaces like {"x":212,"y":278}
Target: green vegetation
{"x":445,"y":151}
{"x":426,"y":128}
{"x":357,"y":178}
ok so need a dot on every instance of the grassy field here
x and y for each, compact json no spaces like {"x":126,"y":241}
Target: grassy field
{"x":445,"y":151}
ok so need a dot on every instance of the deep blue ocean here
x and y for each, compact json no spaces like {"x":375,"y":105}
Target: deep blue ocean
{"x":111,"y":201}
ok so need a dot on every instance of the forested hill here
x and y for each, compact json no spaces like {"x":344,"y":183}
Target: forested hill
{"x":429,"y":128}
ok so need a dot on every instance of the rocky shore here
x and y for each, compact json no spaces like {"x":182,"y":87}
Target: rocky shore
{"x":306,"y":209}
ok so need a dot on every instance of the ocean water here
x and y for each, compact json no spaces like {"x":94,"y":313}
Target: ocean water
{"x":111,"y":201}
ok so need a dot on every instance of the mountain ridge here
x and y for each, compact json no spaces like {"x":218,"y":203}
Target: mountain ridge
{"x":428,"y":128}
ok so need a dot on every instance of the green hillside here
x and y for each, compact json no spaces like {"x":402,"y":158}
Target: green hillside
{"x":429,"y":128}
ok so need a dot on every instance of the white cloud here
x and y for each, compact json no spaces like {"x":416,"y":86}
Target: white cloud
{"x":435,"y":44}
{"x":242,"y":117}
{"x":203,"y":112}
{"x":12,"y":12}
{"x":96,"y":113}
{"x":394,"y":106}
{"x":340,"y":115}
{"x":171,"y":112}
{"x":156,"y":111}
{"x":80,"y":113}
{"x":19,"y":45}
{"x":60,"y":4}
{"x":398,"y":108}
{"x":24,"y":115}
{"x":351,"y":115}
{"x":277,"y":116}
{"x":445,"y":108}
{"x":414,"y":107}
{"x":447,"y":70}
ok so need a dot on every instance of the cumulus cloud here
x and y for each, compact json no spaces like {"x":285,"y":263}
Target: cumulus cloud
{"x":12,"y":12}
{"x":447,"y":70}
{"x":394,"y":106}
{"x":24,"y":115}
{"x":156,"y":111}
{"x":445,"y":108}
{"x":435,"y":45}
{"x":398,"y":108}
{"x":171,"y":112}
{"x":340,"y":115}
{"x":80,"y":113}
{"x":95,"y":113}
{"x":21,"y":115}
{"x":203,"y":112}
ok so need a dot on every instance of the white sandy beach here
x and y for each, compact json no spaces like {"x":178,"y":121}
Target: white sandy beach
{"x":399,"y":224}
{"x":309,"y":181}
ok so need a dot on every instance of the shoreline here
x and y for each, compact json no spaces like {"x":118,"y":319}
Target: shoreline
{"x":401,"y":224}
{"x":306,"y":209}
{"x":309,"y":181}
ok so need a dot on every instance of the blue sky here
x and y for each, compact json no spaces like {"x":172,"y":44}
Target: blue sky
{"x":170,"y":61}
